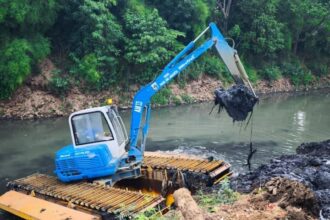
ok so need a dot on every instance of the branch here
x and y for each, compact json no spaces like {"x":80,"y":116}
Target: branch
{"x":222,"y":7}
{"x":228,"y":7}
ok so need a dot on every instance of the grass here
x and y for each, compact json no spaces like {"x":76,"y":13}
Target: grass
{"x":187,"y":98}
{"x":225,"y":195}
{"x":153,"y":214}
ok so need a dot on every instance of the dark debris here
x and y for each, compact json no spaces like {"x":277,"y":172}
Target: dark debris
{"x":238,"y":101}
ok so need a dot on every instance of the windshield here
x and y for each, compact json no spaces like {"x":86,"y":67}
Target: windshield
{"x":90,"y":127}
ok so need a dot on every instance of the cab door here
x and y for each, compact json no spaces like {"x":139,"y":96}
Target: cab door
{"x":118,"y":128}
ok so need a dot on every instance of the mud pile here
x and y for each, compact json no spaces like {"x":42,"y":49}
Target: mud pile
{"x":238,"y":101}
{"x":310,"y":166}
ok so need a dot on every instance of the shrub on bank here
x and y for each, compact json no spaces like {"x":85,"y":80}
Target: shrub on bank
{"x":297,"y":74}
{"x":162,"y":97}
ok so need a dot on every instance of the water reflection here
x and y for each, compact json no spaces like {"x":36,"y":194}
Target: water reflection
{"x":299,"y":119}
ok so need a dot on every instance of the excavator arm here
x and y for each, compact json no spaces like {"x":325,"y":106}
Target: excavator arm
{"x":141,"y":102}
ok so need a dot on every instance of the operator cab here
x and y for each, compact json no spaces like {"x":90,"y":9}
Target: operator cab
{"x":98,"y":148}
{"x":99,"y":125}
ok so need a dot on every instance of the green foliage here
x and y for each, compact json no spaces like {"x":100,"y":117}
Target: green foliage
{"x":87,"y":69}
{"x":319,"y":69}
{"x":153,"y":214}
{"x":27,"y":15}
{"x":216,"y":68}
{"x":92,"y":35}
{"x":147,"y":215}
{"x":40,"y":48}
{"x":95,"y":30}
{"x":225,"y":195}
{"x":22,"y":41}
{"x":150,"y":43}
{"x":187,"y":99}
{"x":297,"y":74}
{"x":130,"y":41}
{"x":194,"y":71}
{"x":176,"y":100}
{"x":15,"y":65}
{"x":271,"y":73}
{"x":188,"y":16}
{"x":59,"y":84}
{"x":210,"y":65}
{"x":162,"y":97}
{"x":251,"y":72}
{"x":261,"y":32}
{"x":305,"y":19}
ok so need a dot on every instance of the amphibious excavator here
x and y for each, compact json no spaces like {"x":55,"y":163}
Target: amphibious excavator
{"x":105,"y":172}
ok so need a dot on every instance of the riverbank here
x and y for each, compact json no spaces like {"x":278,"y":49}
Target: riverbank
{"x":289,"y":187}
{"x":34,"y":99}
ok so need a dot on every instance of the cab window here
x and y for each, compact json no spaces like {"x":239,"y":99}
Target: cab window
{"x":90,"y":128}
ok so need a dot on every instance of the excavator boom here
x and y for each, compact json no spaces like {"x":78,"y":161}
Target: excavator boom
{"x":141,"y":101}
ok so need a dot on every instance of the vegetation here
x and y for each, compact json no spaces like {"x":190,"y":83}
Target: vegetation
{"x":225,"y":195}
{"x":110,"y":42}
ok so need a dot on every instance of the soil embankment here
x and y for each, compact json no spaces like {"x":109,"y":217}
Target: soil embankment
{"x":35,"y":100}
{"x":289,"y":187}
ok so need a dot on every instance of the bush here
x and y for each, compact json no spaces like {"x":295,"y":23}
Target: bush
{"x":210,"y":65}
{"x":297,"y":74}
{"x":88,"y":69}
{"x":15,"y":66}
{"x":307,"y":78}
{"x":176,"y":100}
{"x":251,"y":72}
{"x":194,"y":71}
{"x":40,"y":48}
{"x":271,"y":73}
{"x":162,"y":97}
{"x":319,"y":69}
{"x":225,"y":195}
{"x":214,"y":67}
{"x":58,"y":84}
{"x":187,"y":98}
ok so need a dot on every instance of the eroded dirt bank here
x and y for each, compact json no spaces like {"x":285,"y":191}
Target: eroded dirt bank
{"x":35,"y":100}
{"x":289,"y":187}
{"x":310,"y":167}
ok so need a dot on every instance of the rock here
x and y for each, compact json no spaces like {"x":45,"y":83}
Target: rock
{"x":315,"y":148}
{"x":322,"y":179}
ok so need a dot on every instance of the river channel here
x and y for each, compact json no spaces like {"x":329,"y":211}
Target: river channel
{"x":280,"y":124}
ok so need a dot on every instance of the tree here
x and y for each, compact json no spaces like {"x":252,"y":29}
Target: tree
{"x":23,"y":43}
{"x":224,"y":6}
{"x":260,"y":32}
{"x":93,"y":36}
{"x":305,"y":19}
{"x":149,"y":43}
{"x":15,"y":65}
{"x":188,"y":16}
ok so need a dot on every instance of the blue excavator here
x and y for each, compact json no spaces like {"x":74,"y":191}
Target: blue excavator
{"x":101,"y":148}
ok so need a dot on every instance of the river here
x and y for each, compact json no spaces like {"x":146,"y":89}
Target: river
{"x":280,"y":124}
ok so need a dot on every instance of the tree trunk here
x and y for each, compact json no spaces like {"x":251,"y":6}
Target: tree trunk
{"x":225,"y":9}
{"x":187,"y":205}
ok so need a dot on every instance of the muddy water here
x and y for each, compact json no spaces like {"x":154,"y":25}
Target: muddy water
{"x":280,"y":123}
